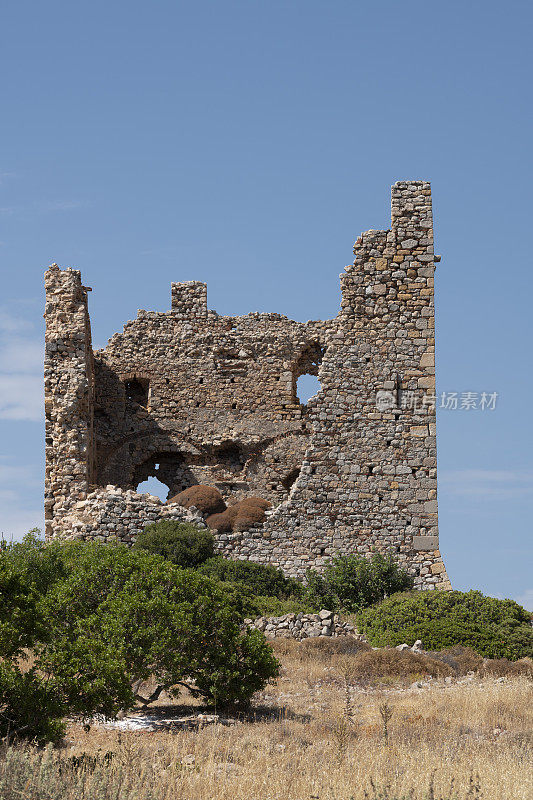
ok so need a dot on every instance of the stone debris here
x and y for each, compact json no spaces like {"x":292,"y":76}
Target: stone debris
{"x":416,"y":648}
{"x":193,"y":397}
{"x":157,"y":720}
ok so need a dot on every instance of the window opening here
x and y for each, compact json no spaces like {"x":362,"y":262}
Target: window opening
{"x":306,"y":387}
{"x":137,"y":390}
{"x":305,"y":383}
{"x":153,"y":486}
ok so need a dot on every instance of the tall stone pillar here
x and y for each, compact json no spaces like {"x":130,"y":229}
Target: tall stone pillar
{"x":69,"y":382}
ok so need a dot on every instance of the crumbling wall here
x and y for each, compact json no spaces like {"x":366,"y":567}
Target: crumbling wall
{"x":208,"y":399}
{"x":193,"y":397}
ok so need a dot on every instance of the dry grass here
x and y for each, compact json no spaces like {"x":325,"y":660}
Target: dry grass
{"x":206,"y":499}
{"x":316,"y":736}
{"x":240,"y":516}
{"x":378,"y":666}
{"x":503,"y":667}
{"x":460,"y":659}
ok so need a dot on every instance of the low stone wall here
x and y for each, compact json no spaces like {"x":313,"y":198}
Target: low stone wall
{"x":117,"y":515}
{"x":303,"y":626}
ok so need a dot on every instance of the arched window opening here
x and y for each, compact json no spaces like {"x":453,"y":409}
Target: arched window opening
{"x":153,"y":486}
{"x":167,"y":473}
{"x":137,"y":390}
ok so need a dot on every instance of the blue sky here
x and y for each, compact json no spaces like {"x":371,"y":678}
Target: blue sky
{"x":248,"y":144}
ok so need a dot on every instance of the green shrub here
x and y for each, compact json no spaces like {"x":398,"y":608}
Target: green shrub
{"x":493,"y":628}
{"x":157,"y":619}
{"x":273,"y":607}
{"x":30,"y":706}
{"x":39,"y":566}
{"x":184,"y":544}
{"x":108,"y":619}
{"x":262,"y":579}
{"x":353,"y":582}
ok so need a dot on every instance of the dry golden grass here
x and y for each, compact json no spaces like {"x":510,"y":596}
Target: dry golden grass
{"x":315,"y":737}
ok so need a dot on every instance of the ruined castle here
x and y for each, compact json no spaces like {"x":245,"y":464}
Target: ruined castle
{"x":193,"y":397}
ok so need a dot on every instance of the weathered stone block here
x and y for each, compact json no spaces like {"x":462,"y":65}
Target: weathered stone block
{"x":425,"y":542}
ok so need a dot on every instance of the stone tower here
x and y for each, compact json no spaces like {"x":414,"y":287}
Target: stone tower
{"x":193,"y":397}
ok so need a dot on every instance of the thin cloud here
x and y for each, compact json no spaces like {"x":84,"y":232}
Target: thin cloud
{"x":486,"y":483}
{"x":21,"y":355}
{"x":16,"y":522}
{"x":16,"y":474}
{"x":12,"y":324}
{"x":59,"y":205}
{"x":526,"y":599}
{"x":43,"y":207}
{"x":21,"y":397}
{"x":21,"y":369}
{"x":16,"y":482}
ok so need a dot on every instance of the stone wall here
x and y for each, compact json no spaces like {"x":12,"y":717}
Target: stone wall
{"x":191,"y":397}
{"x":111,"y":514}
{"x":303,"y":626}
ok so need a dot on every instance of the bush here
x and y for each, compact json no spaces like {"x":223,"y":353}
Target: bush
{"x":273,"y":607}
{"x":30,"y":706}
{"x":493,"y":628}
{"x":155,"y":619}
{"x":460,"y":659}
{"x":113,"y":617}
{"x":184,"y":544}
{"x":502,"y":667}
{"x":206,"y":499}
{"x":324,"y":647}
{"x":353,"y":582}
{"x":262,"y":579}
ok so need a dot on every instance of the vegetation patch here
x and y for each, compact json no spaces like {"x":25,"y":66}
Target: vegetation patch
{"x":375,"y":666}
{"x":241,"y":516}
{"x":352,"y":582}
{"x":262,"y":580}
{"x":184,"y":544}
{"x":206,"y":499}
{"x":493,"y":628}
{"x":102,"y":619}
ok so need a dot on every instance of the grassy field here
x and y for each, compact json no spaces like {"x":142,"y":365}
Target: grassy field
{"x":327,"y":730}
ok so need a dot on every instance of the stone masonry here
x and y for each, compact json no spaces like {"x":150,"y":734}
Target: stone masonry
{"x":193,"y":397}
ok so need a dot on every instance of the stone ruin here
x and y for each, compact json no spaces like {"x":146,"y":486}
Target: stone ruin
{"x":192,"y":397}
